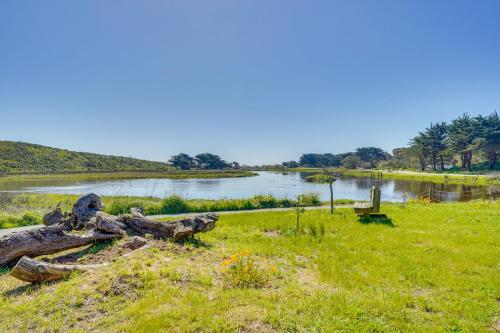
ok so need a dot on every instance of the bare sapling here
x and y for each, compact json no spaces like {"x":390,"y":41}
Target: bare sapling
{"x":330,"y":179}
{"x":299,"y":210}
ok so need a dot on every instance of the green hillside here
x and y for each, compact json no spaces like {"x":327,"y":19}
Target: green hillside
{"x":27,"y":157}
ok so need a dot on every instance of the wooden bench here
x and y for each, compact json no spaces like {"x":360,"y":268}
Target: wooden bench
{"x":371,"y":208}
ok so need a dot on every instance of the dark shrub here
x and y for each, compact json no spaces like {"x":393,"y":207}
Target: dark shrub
{"x":174,"y":204}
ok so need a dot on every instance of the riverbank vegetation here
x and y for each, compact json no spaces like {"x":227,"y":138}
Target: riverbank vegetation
{"x":122,"y":175}
{"x":28,"y":208}
{"x":440,"y":178}
{"x":465,"y":144}
{"x":428,"y":268}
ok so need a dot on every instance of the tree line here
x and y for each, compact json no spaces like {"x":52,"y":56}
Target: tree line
{"x":463,"y":137}
{"x":363,"y":157}
{"x":461,"y":142}
{"x":205,"y":161}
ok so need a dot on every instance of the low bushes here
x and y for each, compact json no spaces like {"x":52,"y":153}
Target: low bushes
{"x":176,"y":204}
{"x":27,"y":209}
{"x":242,"y":271}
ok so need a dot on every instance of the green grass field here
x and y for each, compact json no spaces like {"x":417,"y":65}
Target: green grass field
{"x":429,"y":268}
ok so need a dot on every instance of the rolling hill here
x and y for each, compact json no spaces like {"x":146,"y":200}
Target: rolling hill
{"x":27,"y":157}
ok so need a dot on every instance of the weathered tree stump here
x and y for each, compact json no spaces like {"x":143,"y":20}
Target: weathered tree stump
{"x":86,"y":208}
{"x":54,"y":217}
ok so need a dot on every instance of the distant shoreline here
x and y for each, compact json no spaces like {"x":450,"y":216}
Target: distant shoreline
{"x":435,"y":177}
{"x":106,"y":175}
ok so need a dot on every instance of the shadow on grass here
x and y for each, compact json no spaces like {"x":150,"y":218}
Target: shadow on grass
{"x":196,"y":243}
{"x":5,"y":270}
{"x":384,"y":220}
{"x":26,"y":289}
{"x":74,"y":256}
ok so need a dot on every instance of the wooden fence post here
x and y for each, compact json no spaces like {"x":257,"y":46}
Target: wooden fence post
{"x":375,"y":199}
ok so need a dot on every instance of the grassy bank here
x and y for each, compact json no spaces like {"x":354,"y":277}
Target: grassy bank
{"x":83,"y":176}
{"x":451,"y":178}
{"x":28,"y":208}
{"x":430,"y":268}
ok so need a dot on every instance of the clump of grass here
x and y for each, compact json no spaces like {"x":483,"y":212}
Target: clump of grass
{"x":316,"y":230}
{"x":6,"y":199}
{"x":174,"y":204}
{"x":98,"y":247}
{"x":27,"y":218}
{"x":241,"y":271}
{"x":123,"y":205}
{"x":266,"y":201}
{"x":171,"y":274}
{"x":310,"y":199}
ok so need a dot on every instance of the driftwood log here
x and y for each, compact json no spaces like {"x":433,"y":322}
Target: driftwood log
{"x":46,"y":240}
{"x":31,"y":270}
{"x":87,"y":214}
{"x":177,"y":230}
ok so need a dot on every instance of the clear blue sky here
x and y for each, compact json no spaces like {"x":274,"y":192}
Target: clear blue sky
{"x":253,"y":81}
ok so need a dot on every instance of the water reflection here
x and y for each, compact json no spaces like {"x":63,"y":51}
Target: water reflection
{"x":279,"y":184}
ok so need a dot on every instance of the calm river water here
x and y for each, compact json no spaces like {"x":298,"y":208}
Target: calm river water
{"x":279,"y":184}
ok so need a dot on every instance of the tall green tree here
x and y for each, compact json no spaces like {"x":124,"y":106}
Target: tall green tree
{"x":290,"y":164}
{"x":420,"y":146}
{"x":182,"y":161}
{"x":462,"y":133}
{"x":404,"y":158}
{"x":489,"y":137}
{"x":436,"y":136}
{"x":210,"y":161}
{"x":371,"y":155}
{"x":352,"y":161}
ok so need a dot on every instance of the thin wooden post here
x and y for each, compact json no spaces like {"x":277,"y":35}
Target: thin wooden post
{"x":375,"y":195}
